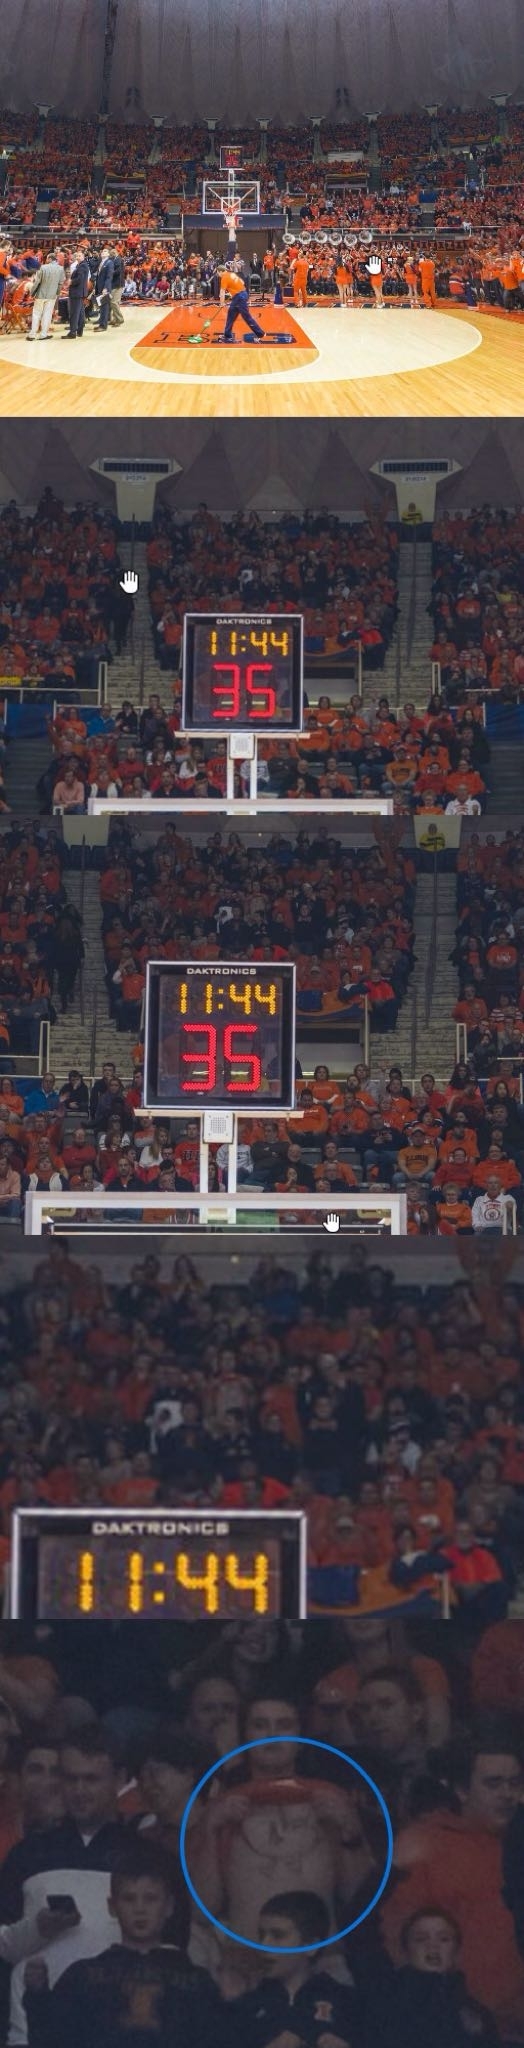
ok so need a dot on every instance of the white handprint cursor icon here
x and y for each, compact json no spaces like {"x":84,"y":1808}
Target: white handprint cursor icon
{"x":332,"y":1223}
{"x":129,"y":582}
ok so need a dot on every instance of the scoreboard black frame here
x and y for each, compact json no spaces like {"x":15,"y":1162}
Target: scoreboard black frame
{"x":261,"y":688}
{"x":98,"y":1564}
{"x":235,"y":1018}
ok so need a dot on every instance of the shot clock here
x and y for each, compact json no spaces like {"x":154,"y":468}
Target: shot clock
{"x":220,"y":1035}
{"x":94,"y":1564}
{"x":242,"y":673}
{"x":231,"y":156}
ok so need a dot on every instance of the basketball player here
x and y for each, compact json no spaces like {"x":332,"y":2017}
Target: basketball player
{"x":234,"y":288}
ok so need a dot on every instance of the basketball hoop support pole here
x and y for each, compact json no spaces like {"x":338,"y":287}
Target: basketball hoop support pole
{"x":242,"y":746}
{"x":232,"y":1158}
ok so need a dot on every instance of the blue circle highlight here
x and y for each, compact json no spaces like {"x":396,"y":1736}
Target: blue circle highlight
{"x":262,"y":1947}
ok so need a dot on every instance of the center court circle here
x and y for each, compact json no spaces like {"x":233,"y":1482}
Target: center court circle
{"x":304,"y":1742}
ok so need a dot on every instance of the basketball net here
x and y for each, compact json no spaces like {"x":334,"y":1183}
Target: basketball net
{"x":231,"y":213}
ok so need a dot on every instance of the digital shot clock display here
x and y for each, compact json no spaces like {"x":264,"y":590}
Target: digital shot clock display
{"x":242,"y":673}
{"x":220,"y":1035}
{"x":95,"y":1564}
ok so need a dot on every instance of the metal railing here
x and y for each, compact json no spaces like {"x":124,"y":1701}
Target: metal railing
{"x":34,"y":690}
{"x":509,"y":1217}
{"x":412,"y":607}
{"x":366,"y":1033}
{"x":81,"y":909}
{"x":92,"y":1048}
{"x":461,"y":1042}
{"x":462,"y":1053}
{"x":44,"y":1046}
{"x":398,"y":668}
{"x":142,"y":674}
{"x":413,"y":1031}
{"x":432,"y":949}
{"x":34,"y":1063}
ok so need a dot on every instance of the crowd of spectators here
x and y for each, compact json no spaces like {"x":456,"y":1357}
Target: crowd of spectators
{"x":454,"y":1144}
{"x":102,"y":1748}
{"x":335,"y":239}
{"x":478,"y":602}
{"x":343,"y":577}
{"x":41,"y":947}
{"x":428,"y":761}
{"x":61,"y":607}
{"x":352,"y":944}
{"x":343,"y":915}
{"x":391,"y":1414}
{"x":475,"y":184}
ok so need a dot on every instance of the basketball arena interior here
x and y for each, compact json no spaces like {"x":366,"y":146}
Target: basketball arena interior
{"x":261,"y":1024}
{"x":333,"y":162}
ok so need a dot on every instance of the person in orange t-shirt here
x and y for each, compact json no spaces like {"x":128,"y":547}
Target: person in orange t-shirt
{"x":496,"y":1164}
{"x":471,"y":1008}
{"x":299,"y":272}
{"x":454,"y":1862}
{"x":465,"y":778}
{"x":454,"y":1215}
{"x":460,"y":1134}
{"x":313,"y":1118}
{"x":497,"y":1671}
{"x":325,"y":1089}
{"x":427,"y":280}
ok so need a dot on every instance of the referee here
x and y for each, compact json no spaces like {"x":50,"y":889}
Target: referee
{"x":234,"y":288}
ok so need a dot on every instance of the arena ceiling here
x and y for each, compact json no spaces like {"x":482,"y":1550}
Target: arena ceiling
{"x":249,"y":60}
{"x":268,"y":468}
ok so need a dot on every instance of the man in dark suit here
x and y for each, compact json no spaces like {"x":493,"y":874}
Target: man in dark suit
{"x":104,"y":286}
{"x":78,"y":283}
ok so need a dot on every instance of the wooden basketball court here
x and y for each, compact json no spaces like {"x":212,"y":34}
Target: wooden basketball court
{"x":474,"y":367}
